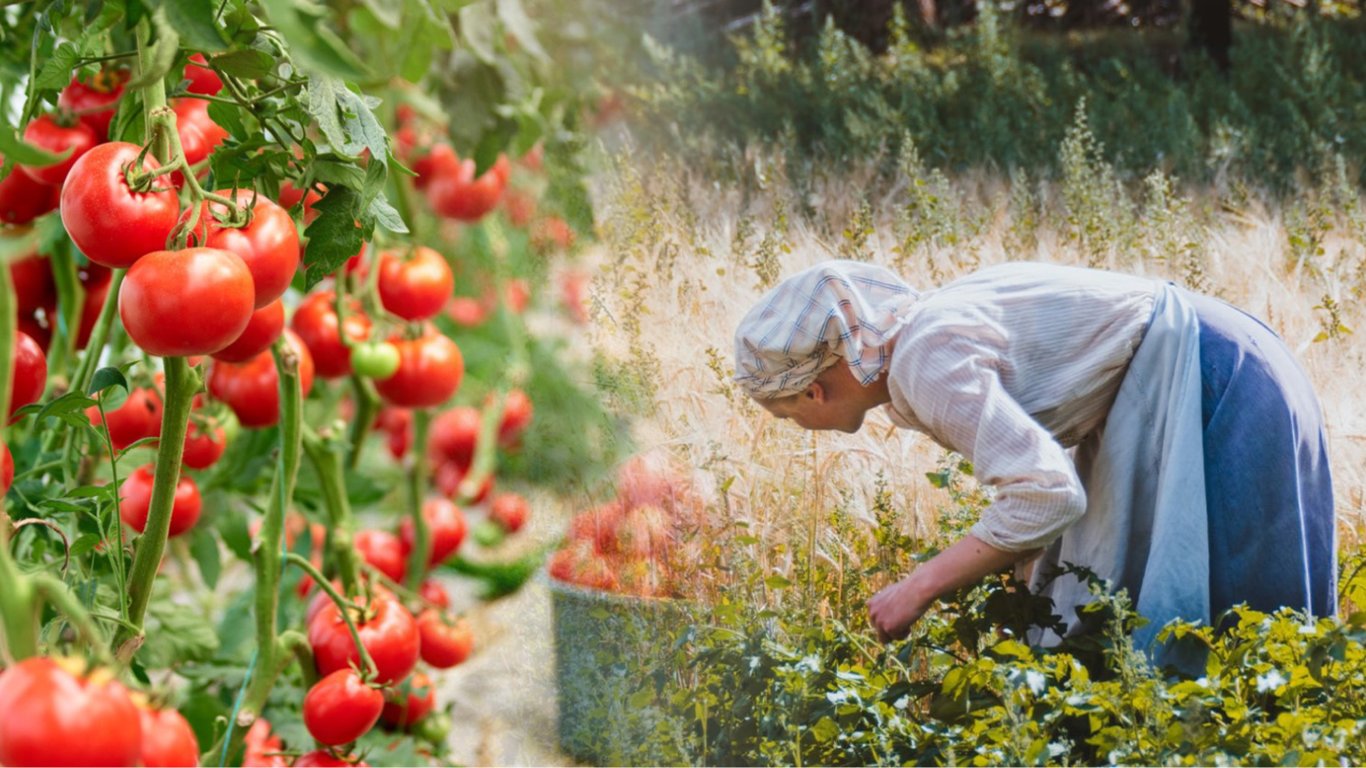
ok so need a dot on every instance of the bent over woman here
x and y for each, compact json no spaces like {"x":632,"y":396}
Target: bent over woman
{"x":1163,"y":439}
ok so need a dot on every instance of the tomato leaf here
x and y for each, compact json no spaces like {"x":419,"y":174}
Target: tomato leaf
{"x":479,"y":30}
{"x":330,"y":172}
{"x":105,"y":378}
{"x":518,"y":24}
{"x":181,"y":635}
{"x":164,"y":52}
{"x":56,"y":71}
{"x":204,"y":548}
{"x":322,"y":106}
{"x":311,"y":43}
{"x":333,"y":237}
{"x":247,"y":63}
{"x":386,"y":12}
{"x":362,"y":127}
{"x":195,"y":20}
{"x":16,"y":149}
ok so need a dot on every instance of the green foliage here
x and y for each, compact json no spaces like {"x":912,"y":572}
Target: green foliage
{"x":993,"y":95}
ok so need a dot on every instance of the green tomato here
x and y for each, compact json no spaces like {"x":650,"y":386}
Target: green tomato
{"x":374,"y":360}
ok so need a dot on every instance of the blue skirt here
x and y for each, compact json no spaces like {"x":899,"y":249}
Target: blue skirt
{"x":1269,"y":494}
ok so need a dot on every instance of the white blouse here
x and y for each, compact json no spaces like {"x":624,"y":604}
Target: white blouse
{"x":1010,"y":366}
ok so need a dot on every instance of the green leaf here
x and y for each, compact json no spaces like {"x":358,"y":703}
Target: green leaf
{"x":777,"y":581}
{"x":518,"y":24}
{"x":84,"y":544}
{"x":386,"y":216}
{"x":195,"y":21}
{"x":20,"y":151}
{"x":479,"y":30}
{"x":182,"y":635}
{"x":333,"y":237}
{"x":330,"y":172}
{"x":56,"y":71}
{"x":105,"y":378}
{"x":232,"y":527}
{"x":362,"y":127}
{"x":311,"y":43}
{"x":322,"y":106}
{"x":387,"y":12}
{"x":492,"y":143}
{"x":204,"y":548}
{"x":248,"y":63}
{"x":163,"y":55}
{"x":229,"y":117}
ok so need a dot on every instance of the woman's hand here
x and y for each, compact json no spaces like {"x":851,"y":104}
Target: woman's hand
{"x":893,"y":610}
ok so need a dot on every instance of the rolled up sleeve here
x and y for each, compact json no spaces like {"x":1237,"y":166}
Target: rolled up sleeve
{"x":954,"y":387}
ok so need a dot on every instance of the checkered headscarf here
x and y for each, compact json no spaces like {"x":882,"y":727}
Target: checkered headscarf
{"x":834,"y":310}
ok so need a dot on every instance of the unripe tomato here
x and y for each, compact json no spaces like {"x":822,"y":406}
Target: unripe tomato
{"x":321,"y":758}
{"x":47,"y":133}
{"x":445,"y":643}
{"x":191,"y":302}
{"x":138,"y":417}
{"x":386,"y":629}
{"x":135,"y":501}
{"x":6,"y":469}
{"x":269,"y":243}
{"x":509,"y":511}
{"x":453,"y":435}
{"x":30,"y":372}
{"x":410,"y":702}
{"x":93,"y":101}
{"x":446,"y":530}
{"x":429,"y":372}
{"x":316,"y":323}
{"x":199,"y":134}
{"x":383,"y":551}
{"x":252,"y":389}
{"x":517,"y":412}
{"x":374,"y":360}
{"x":264,"y":327}
{"x":167,"y":739}
{"x":414,"y":285}
{"x":48,"y":716}
{"x":341,"y":708}
{"x":203,"y":81}
{"x":204,"y":445}
{"x":113,"y":225}
{"x":22,"y":199}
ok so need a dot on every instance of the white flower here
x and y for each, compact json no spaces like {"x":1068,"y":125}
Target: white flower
{"x":902,"y":703}
{"x":1270,"y":681}
{"x":1036,"y":681}
{"x":1308,"y":629}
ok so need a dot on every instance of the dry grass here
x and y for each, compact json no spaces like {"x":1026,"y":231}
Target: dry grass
{"x":684,"y":258}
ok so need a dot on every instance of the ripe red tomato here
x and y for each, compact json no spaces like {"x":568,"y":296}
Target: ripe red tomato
{"x":264,"y":327}
{"x":517,"y":412}
{"x":435,"y":594}
{"x":252,"y":389}
{"x":191,"y":302}
{"x":135,"y":501}
{"x":7,"y":470}
{"x":204,"y":445}
{"x":48,"y":132}
{"x":445,"y":530}
{"x":167,"y":739}
{"x":341,"y":708}
{"x":138,"y":417}
{"x":448,"y":478}
{"x":414,"y":285}
{"x":113,"y":225}
{"x":34,"y":286}
{"x":410,"y":702}
{"x":22,"y":199}
{"x":30,"y":372}
{"x":321,"y":758}
{"x":509,"y":511}
{"x":94,"y":101}
{"x":291,"y":195}
{"x":49,"y":716}
{"x":261,"y":745}
{"x":203,"y":81}
{"x":459,"y":195}
{"x":441,"y":160}
{"x":519,"y":206}
{"x":452,"y":436}
{"x":429,"y":372}
{"x":386,"y":629}
{"x":445,"y":643}
{"x":199,"y":134}
{"x":383,"y":551}
{"x":316,"y":323}
{"x":269,"y":243}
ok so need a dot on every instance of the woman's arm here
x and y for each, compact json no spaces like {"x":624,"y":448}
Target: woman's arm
{"x":894,"y":609}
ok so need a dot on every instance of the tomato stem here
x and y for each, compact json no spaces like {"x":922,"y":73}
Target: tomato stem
{"x":417,"y":491}
{"x":367,"y":404}
{"x":485,"y":452}
{"x":344,"y":609}
{"x":59,"y":596}
{"x":327,"y":463}
{"x":16,"y":597}
{"x":181,"y":384}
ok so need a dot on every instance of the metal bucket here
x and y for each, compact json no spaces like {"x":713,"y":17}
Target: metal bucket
{"x":612,"y":673}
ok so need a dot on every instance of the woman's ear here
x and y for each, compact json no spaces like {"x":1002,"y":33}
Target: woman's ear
{"x":816,"y":392}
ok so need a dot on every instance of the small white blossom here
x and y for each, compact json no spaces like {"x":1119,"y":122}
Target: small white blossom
{"x":1308,"y":629}
{"x":1270,"y":681}
{"x":1036,"y":681}
{"x":902,"y":703}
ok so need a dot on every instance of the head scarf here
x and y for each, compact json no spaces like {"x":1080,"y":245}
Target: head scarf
{"x":835,"y":310}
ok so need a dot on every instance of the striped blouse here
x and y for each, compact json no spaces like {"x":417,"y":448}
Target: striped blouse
{"x":1010,"y":366}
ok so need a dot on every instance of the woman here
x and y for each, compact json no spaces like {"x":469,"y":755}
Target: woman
{"x":1162,"y":438}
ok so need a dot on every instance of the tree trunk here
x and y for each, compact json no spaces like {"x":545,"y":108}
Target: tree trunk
{"x":1211,"y":29}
